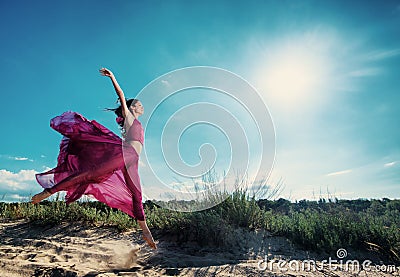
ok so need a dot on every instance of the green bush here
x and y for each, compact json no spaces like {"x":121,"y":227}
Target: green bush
{"x":323,"y":226}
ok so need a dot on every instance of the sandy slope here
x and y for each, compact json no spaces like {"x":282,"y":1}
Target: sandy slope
{"x":77,"y":250}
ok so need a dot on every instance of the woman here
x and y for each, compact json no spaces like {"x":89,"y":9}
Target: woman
{"x":95,"y":161}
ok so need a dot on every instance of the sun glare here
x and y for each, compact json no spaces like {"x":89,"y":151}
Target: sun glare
{"x":292,"y":77}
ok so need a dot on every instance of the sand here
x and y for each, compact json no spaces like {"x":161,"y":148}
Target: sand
{"x":75,"y":249}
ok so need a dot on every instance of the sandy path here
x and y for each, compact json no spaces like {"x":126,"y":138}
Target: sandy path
{"x":76,"y":250}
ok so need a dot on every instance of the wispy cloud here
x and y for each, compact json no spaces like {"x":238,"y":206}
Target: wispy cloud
{"x":339,"y":172}
{"x":389,"y":164}
{"x":165,"y":83}
{"x":366,"y":72}
{"x":382,"y":54}
{"x":20,"y":158}
{"x":15,"y":158}
{"x":203,"y":54}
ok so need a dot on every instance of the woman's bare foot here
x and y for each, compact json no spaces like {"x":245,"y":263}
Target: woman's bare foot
{"x":147,"y":234}
{"x":149,"y":239}
{"x":40,"y":196}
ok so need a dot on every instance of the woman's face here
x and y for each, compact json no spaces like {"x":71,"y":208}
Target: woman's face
{"x":137,"y":108}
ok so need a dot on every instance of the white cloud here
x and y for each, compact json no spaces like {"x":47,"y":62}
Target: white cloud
{"x":15,"y":197}
{"x":16,"y":158}
{"x":21,"y":180}
{"x":166,"y":83}
{"x":389,"y":164}
{"x":20,"y":158}
{"x":339,"y":172}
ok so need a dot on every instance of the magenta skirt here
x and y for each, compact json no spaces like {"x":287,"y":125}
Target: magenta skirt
{"x":94,"y":161}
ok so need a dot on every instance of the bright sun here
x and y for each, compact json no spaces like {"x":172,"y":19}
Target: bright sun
{"x":292,"y":77}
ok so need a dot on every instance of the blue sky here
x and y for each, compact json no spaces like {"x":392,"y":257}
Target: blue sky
{"x":327,"y":70}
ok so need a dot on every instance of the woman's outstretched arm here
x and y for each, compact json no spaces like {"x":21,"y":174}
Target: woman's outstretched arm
{"x":118,"y":90}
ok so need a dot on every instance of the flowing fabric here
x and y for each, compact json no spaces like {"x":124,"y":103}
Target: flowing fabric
{"x":94,"y":161}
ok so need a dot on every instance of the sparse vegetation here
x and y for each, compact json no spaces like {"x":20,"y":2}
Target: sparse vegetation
{"x":323,"y":225}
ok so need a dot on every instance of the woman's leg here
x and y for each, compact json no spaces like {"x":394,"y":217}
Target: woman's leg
{"x":40,"y":196}
{"x":138,"y":210}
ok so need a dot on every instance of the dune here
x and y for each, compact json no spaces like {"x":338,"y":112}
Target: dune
{"x":75,"y":249}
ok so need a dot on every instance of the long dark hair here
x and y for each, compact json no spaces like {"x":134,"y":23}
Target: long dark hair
{"x":118,"y":111}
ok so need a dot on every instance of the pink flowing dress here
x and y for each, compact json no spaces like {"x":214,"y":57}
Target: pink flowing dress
{"x":94,"y":161}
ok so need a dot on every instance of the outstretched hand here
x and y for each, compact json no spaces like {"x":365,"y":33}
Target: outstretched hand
{"x":106,"y":72}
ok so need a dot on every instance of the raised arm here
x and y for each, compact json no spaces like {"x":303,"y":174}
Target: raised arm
{"x":118,"y":90}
